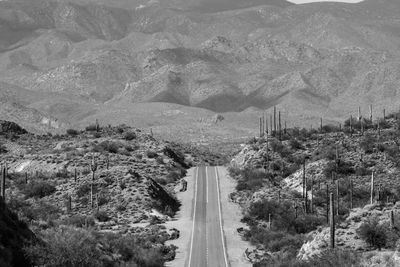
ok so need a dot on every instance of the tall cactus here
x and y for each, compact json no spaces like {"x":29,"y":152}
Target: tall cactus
{"x":280,"y":126}
{"x":370,"y":113}
{"x":320,"y":127}
{"x":337,"y":197}
{"x":332,"y":221}
{"x":93,"y":167}
{"x":3,"y":183}
{"x":372,"y":188}
{"x":275,"y":119}
{"x":351,"y":193}
{"x":68,"y":204}
{"x":351,"y":125}
{"x":327,"y":203}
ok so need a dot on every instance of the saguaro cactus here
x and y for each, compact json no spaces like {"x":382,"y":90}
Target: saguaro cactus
{"x":372,"y":188}
{"x":332,"y":221}
{"x":93,"y":167}
{"x":351,"y":125}
{"x":3,"y":182}
{"x":391,"y":219}
{"x":68,"y":204}
{"x":337,"y":197}
{"x":275,"y":119}
{"x":351,"y":193}
{"x":370,"y":113}
{"x":271,"y":125}
{"x":75,"y":175}
{"x":260,"y":125}
{"x":312,"y":196}
{"x":320,"y":127}
{"x":97,"y":125}
{"x":327,"y":203}
{"x":280,"y":126}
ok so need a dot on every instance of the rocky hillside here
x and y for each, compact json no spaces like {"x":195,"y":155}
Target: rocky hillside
{"x":68,"y":62}
{"x":107,"y":188}
{"x":341,"y":161}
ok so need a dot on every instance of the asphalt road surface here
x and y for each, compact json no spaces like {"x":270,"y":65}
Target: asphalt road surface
{"x":207,"y":244}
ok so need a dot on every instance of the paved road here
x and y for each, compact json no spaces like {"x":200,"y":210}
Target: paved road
{"x":207,"y":245}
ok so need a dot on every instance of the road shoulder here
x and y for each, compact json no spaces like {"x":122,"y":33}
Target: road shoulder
{"x":183,"y":221}
{"x":231,"y":215}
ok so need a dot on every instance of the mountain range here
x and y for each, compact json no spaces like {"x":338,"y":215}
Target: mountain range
{"x":172,"y":65}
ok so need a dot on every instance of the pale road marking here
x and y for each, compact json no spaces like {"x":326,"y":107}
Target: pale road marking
{"x":194,"y":216}
{"x":206,"y":185}
{"x":220,"y":218}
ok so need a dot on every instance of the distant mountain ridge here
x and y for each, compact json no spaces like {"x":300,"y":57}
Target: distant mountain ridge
{"x":76,"y":59}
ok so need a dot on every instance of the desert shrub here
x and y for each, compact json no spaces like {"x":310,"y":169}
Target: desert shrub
{"x":78,"y":221}
{"x":368,"y":144}
{"x":83,"y":190}
{"x":325,"y":152}
{"x":373,"y":233}
{"x":66,"y":246}
{"x":103,"y":200}
{"x":3,"y":149}
{"x":160,"y":160}
{"x":130,"y":136}
{"x":384,"y":124}
{"x":250,"y":179}
{"x":329,"y":128}
{"x":39,"y":189}
{"x":91,"y":128}
{"x":62,"y":174}
{"x":307,"y":223}
{"x":109,"y":146}
{"x":295,"y":144}
{"x":72,"y":132}
{"x":173,"y":176}
{"x":327,"y":258}
{"x":102,"y":216}
{"x":125,"y":153}
{"x":120,"y":207}
{"x":341,"y":167}
{"x":362,"y":171}
{"x":41,"y":211}
{"x":151,"y":154}
{"x":97,"y":135}
{"x":274,"y":241}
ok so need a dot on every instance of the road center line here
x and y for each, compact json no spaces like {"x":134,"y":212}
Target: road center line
{"x":194,"y":216}
{"x":220,"y":218}
{"x":206,"y":185}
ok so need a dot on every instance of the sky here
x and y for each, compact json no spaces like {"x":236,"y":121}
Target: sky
{"x":309,"y":1}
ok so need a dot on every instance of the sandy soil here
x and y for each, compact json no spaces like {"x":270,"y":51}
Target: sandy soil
{"x":231,"y":220}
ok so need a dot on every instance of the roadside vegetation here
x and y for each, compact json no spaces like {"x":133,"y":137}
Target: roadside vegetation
{"x":281,"y":216}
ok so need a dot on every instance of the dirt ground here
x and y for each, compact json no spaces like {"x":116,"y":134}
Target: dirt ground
{"x":231,"y":221}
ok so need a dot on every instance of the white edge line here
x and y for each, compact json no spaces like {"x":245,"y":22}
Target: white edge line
{"x":194,"y":216}
{"x":206,"y":185}
{"x":220,"y":217}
